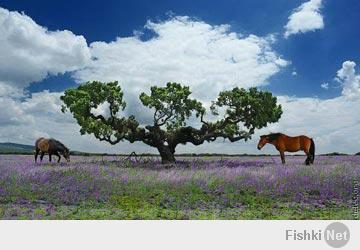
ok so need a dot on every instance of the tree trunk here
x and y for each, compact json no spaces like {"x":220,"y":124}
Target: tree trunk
{"x":167,"y":155}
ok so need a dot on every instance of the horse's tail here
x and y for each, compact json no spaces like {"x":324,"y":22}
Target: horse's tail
{"x":37,"y":149}
{"x":312,"y":150}
{"x":37,"y":142}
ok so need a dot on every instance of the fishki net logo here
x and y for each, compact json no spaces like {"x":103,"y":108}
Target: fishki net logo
{"x":335,"y":235}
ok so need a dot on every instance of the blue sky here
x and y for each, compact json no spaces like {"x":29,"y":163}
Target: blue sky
{"x":312,"y":56}
{"x":306,"y":52}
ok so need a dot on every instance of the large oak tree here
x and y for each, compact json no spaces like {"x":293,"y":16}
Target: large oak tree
{"x":244,"y":111}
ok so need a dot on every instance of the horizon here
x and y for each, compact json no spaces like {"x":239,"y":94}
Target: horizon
{"x":78,"y":152}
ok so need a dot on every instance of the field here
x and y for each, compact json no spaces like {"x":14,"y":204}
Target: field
{"x":195,"y":188}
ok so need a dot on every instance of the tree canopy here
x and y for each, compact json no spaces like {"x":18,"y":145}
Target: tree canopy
{"x":240,"y":112}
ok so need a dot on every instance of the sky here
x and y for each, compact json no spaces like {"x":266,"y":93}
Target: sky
{"x":305,"y":52}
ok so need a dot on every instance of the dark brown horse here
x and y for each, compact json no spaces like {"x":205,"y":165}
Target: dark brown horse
{"x":52,"y":147}
{"x":290,"y":144}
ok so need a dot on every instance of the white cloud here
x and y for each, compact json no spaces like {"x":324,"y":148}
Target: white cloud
{"x":334,"y":123}
{"x":10,"y":91}
{"x":102,"y":109}
{"x":315,"y":117}
{"x":325,"y":85}
{"x":294,"y":73}
{"x":208,"y":58}
{"x":28,"y":109}
{"x":349,"y":79}
{"x":205,"y":57}
{"x":306,"y":17}
{"x":29,"y":52}
{"x":39,"y":115}
{"x":11,"y":114}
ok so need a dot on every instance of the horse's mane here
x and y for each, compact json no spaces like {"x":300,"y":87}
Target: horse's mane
{"x":273,"y":136}
{"x":58,"y":143}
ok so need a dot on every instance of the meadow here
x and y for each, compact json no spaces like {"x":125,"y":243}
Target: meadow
{"x":115,"y":187}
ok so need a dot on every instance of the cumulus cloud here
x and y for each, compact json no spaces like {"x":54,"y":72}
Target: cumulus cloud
{"x":39,"y":115}
{"x":334,"y":123}
{"x":306,"y":17}
{"x":10,"y":91}
{"x":26,"y":111}
{"x":316,"y":117}
{"x":29,"y":52}
{"x":11,"y":114}
{"x":308,"y":116}
{"x":349,"y":79}
{"x":207,"y":58}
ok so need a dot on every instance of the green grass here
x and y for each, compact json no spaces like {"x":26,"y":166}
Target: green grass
{"x":90,"y":189}
{"x":184,"y":202}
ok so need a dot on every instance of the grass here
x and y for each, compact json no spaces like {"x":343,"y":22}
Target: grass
{"x":166,"y":202}
{"x":245,"y":188}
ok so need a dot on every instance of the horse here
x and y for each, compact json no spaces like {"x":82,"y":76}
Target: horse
{"x":51,"y":146}
{"x":284,"y":143}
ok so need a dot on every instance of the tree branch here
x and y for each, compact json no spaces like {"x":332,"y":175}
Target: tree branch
{"x":108,"y":139}
{"x":167,"y":118}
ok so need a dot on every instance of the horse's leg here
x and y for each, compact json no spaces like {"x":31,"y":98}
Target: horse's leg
{"x":282,"y":154}
{"x":312,"y":151}
{"x":58,"y":155}
{"x":308,"y":158}
{"x":42,"y":156}
{"x":311,"y":158}
{"x":36,"y":154}
{"x":49,"y":157}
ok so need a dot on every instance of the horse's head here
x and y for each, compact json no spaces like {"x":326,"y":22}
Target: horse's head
{"x":67,"y":154}
{"x":263,"y":140}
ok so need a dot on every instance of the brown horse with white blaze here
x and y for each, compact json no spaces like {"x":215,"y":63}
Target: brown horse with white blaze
{"x":284,"y":143}
{"x":52,"y":147}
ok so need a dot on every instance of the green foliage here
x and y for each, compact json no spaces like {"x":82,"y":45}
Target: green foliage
{"x":172,"y":105}
{"x":82,"y":100}
{"x":245,"y":111}
{"x":91,"y":95}
{"x":253,"y":108}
